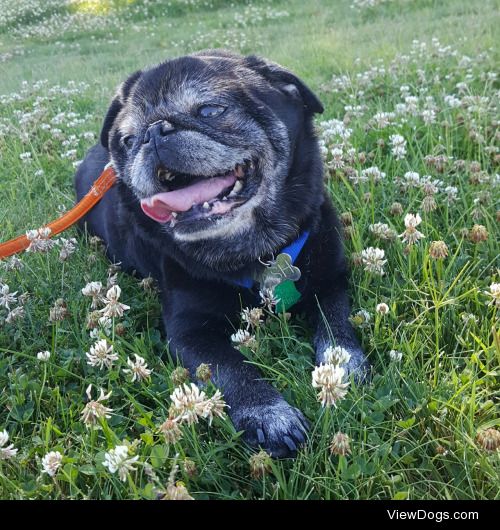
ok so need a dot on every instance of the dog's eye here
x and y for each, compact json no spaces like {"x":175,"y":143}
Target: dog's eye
{"x":210,"y":111}
{"x":128,"y":141}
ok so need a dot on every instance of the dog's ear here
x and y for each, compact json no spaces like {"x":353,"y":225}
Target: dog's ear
{"x":285,"y":81}
{"x":116,"y":106}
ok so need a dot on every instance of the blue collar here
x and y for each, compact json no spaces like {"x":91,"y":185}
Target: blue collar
{"x":293,"y":250}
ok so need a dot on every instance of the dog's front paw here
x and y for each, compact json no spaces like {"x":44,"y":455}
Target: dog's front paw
{"x":278,"y":428}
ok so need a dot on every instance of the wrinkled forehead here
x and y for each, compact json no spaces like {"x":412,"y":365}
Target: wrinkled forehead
{"x":181,"y":84}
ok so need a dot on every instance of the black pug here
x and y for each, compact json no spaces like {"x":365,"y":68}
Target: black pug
{"x":219,"y":171}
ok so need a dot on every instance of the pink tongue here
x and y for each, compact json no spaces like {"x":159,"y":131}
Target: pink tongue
{"x":160,"y":206}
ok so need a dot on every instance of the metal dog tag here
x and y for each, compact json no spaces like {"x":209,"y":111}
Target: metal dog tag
{"x":278,"y":271}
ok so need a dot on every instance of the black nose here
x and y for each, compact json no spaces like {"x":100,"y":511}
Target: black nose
{"x":157,"y":130}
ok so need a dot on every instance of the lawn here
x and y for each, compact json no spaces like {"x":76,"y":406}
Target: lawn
{"x":411,"y":127}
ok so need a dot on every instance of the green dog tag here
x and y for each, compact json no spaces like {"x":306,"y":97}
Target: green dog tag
{"x":280,"y":276}
{"x":287,"y":294}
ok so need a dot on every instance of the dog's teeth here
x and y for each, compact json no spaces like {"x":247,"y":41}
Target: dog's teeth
{"x":237,"y":188}
{"x":173,"y":222}
{"x":224,"y":198}
{"x":206,"y":206}
{"x":174,"y":214}
{"x":164,"y":175}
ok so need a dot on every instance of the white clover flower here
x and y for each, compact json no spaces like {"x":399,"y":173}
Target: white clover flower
{"x":489,"y":439}
{"x":268,"y":299}
{"x":395,"y":356}
{"x":412,"y":220}
{"x":253,"y":317}
{"x":170,"y":430}
{"x":187,"y":402}
{"x":177,"y":492}
{"x":495,"y":294}
{"x":336,"y":355}
{"x":94,"y":409}
{"x":138,"y":369}
{"x":451,"y":193}
{"x":51,"y":463}
{"x":373,"y":260}
{"x":8,"y":451}
{"x":411,"y":235}
{"x":429,"y":116}
{"x":43,"y":232}
{"x":212,"y":407}
{"x":372,"y":173}
{"x":16,"y":314}
{"x":334,"y":130}
{"x":190,"y":403}
{"x":381,"y":120}
{"x":337,"y":161}
{"x":112,"y":279}
{"x":148,"y":284}
{"x":13,"y":263}
{"x":104,"y":325}
{"x":452,"y":101}
{"x":340,"y":444}
{"x":59,"y":311}
{"x":382,"y":308}
{"x":25,"y":157}
{"x":70,"y":154}
{"x":411,"y":105}
{"x":398,"y":146}
{"x":354,"y":176}
{"x":243,"y":337}
{"x":39,"y":240}
{"x":411,"y":179}
{"x":43,"y":356}
{"x":6,"y":297}
{"x":383,"y":231}
{"x":94,"y":290}
{"x":117,"y":459}
{"x":328,"y":378}
{"x":101,"y":355}
{"x":68,"y":247}
{"x":429,"y":185}
{"x":401,"y":109}
{"x":361,"y":319}
{"x":113,"y":307}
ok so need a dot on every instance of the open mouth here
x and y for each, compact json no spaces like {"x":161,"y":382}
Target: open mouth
{"x":193,"y":198}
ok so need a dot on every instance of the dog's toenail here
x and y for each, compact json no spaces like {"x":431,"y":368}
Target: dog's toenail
{"x":290,"y":443}
{"x":260,"y":436}
{"x":299,"y":435}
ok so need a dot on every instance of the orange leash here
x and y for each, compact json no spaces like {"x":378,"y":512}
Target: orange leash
{"x":94,"y":195}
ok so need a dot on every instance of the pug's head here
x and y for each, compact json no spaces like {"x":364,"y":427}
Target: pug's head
{"x":218,"y":149}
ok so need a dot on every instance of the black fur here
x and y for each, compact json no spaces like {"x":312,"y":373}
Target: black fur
{"x":200,"y":303}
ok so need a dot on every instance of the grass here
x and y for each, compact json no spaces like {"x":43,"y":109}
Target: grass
{"x":413,"y":429}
